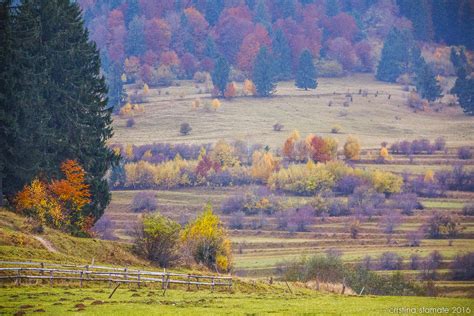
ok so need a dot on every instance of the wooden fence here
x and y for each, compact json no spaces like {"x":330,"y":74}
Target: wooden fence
{"x":19,"y":271}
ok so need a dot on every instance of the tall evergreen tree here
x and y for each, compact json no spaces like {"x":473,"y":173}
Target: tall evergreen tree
{"x":396,"y":56}
{"x":306,"y":74}
{"x":210,"y":49}
{"x":220,"y":75}
{"x":213,"y":11}
{"x":282,"y":55}
{"x":135,"y":42}
{"x":261,"y":13}
{"x":464,"y":85}
{"x":7,"y":119}
{"x":419,"y":14}
{"x":264,"y":73}
{"x":60,"y":99}
{"x":426,"y":83}
{"x":332,"y":7}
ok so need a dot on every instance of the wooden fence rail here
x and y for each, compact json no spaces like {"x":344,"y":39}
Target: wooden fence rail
{"x":19,"y":271}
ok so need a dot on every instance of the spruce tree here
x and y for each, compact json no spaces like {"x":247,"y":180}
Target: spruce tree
{"x":306,"y":73}
{"x":396,"y":56}
{"x":426,"y":83}
{"x":60,"y":99}
{"x":7,"y":119}
{"x":264,"y":73}
{"x":135,"y":43}
{"x":282,"y":55}
{"x":220,"y":75}
{"x":464,"y":85}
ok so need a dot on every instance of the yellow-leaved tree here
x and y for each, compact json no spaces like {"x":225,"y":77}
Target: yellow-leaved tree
{"x":429,"y":176}
{"x":216,"y":104}
{"x":352,"y":148}
{"x":263,"y":165}
{"x":386,"y":182}
{"x":384,"y":154}
{"x":224,"y":154}
{"x":249,"y":87}
{"x":146,"y":89}
{"x":207,"y":241}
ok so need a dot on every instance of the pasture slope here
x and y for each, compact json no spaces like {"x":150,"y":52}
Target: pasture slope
{"x":248,"y":296}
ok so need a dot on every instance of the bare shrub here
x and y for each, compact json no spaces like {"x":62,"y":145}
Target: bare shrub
{"x":415,"y":262}
{"x":130,"y":122}
{"x":144,"y":201}
{"x":390,"y":261}
{"x":462,"y":267}
{"x":237,"y":220}
{"x":407,"y":202}
{"x":414,"y":238}
{"x":277,"y":127}
{"x":185,"y":128}
{"x":336,"y":129}
{"x":464,"y":153}
{"x":104,"y":228}
{"x":468,"y":209}
{"x":390,"y":221}
{"x":443,"y":225}
{"x":300,"y":218}
{"x":440,"y":143}
{"x":354,"y":228}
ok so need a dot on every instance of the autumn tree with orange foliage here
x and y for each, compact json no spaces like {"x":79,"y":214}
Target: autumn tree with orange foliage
{"x":249,"y":88}
{"x":289,"y":146}
{"x":60,"y":203}
{"x":230,"y":91}
{"x":319,"y":150}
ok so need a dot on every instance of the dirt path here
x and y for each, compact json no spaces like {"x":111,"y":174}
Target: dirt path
{"x":46,"y":244}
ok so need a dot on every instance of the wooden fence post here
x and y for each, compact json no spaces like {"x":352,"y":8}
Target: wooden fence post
{"x":212,"y":286}
{"x":82,"y":272}
{"x":42,"y":272}
{"x":18,"y":277}
{"x":138,"y":278}
{"x":51,"y":272}
{"x":189,"y":282}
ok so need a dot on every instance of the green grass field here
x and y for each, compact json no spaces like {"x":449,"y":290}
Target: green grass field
{"x":263,"y":299}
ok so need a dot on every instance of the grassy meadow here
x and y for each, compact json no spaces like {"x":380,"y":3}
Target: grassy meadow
{"x":249,"y":300}
{"x":372,"y":119}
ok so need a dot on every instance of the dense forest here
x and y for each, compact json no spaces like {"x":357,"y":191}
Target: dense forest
{"x":155,"y":41}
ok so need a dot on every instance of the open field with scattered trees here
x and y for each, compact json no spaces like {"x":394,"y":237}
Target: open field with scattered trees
{"x":371,"y":118}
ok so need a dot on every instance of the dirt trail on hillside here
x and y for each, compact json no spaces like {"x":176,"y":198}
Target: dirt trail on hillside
{"x":46,"y":244}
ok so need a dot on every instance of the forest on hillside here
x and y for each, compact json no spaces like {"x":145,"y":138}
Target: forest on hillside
{"x":155,"y":42}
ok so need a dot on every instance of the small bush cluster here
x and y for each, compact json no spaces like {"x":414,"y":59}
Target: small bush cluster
{"x":252,"y":202}
{"x":417,"y":146}
{"x":464,"y":153}
{"x":144,"y":201}
{"x":331,"y":269}
{"x":443,"y":226}
{"x":203,"y":241}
